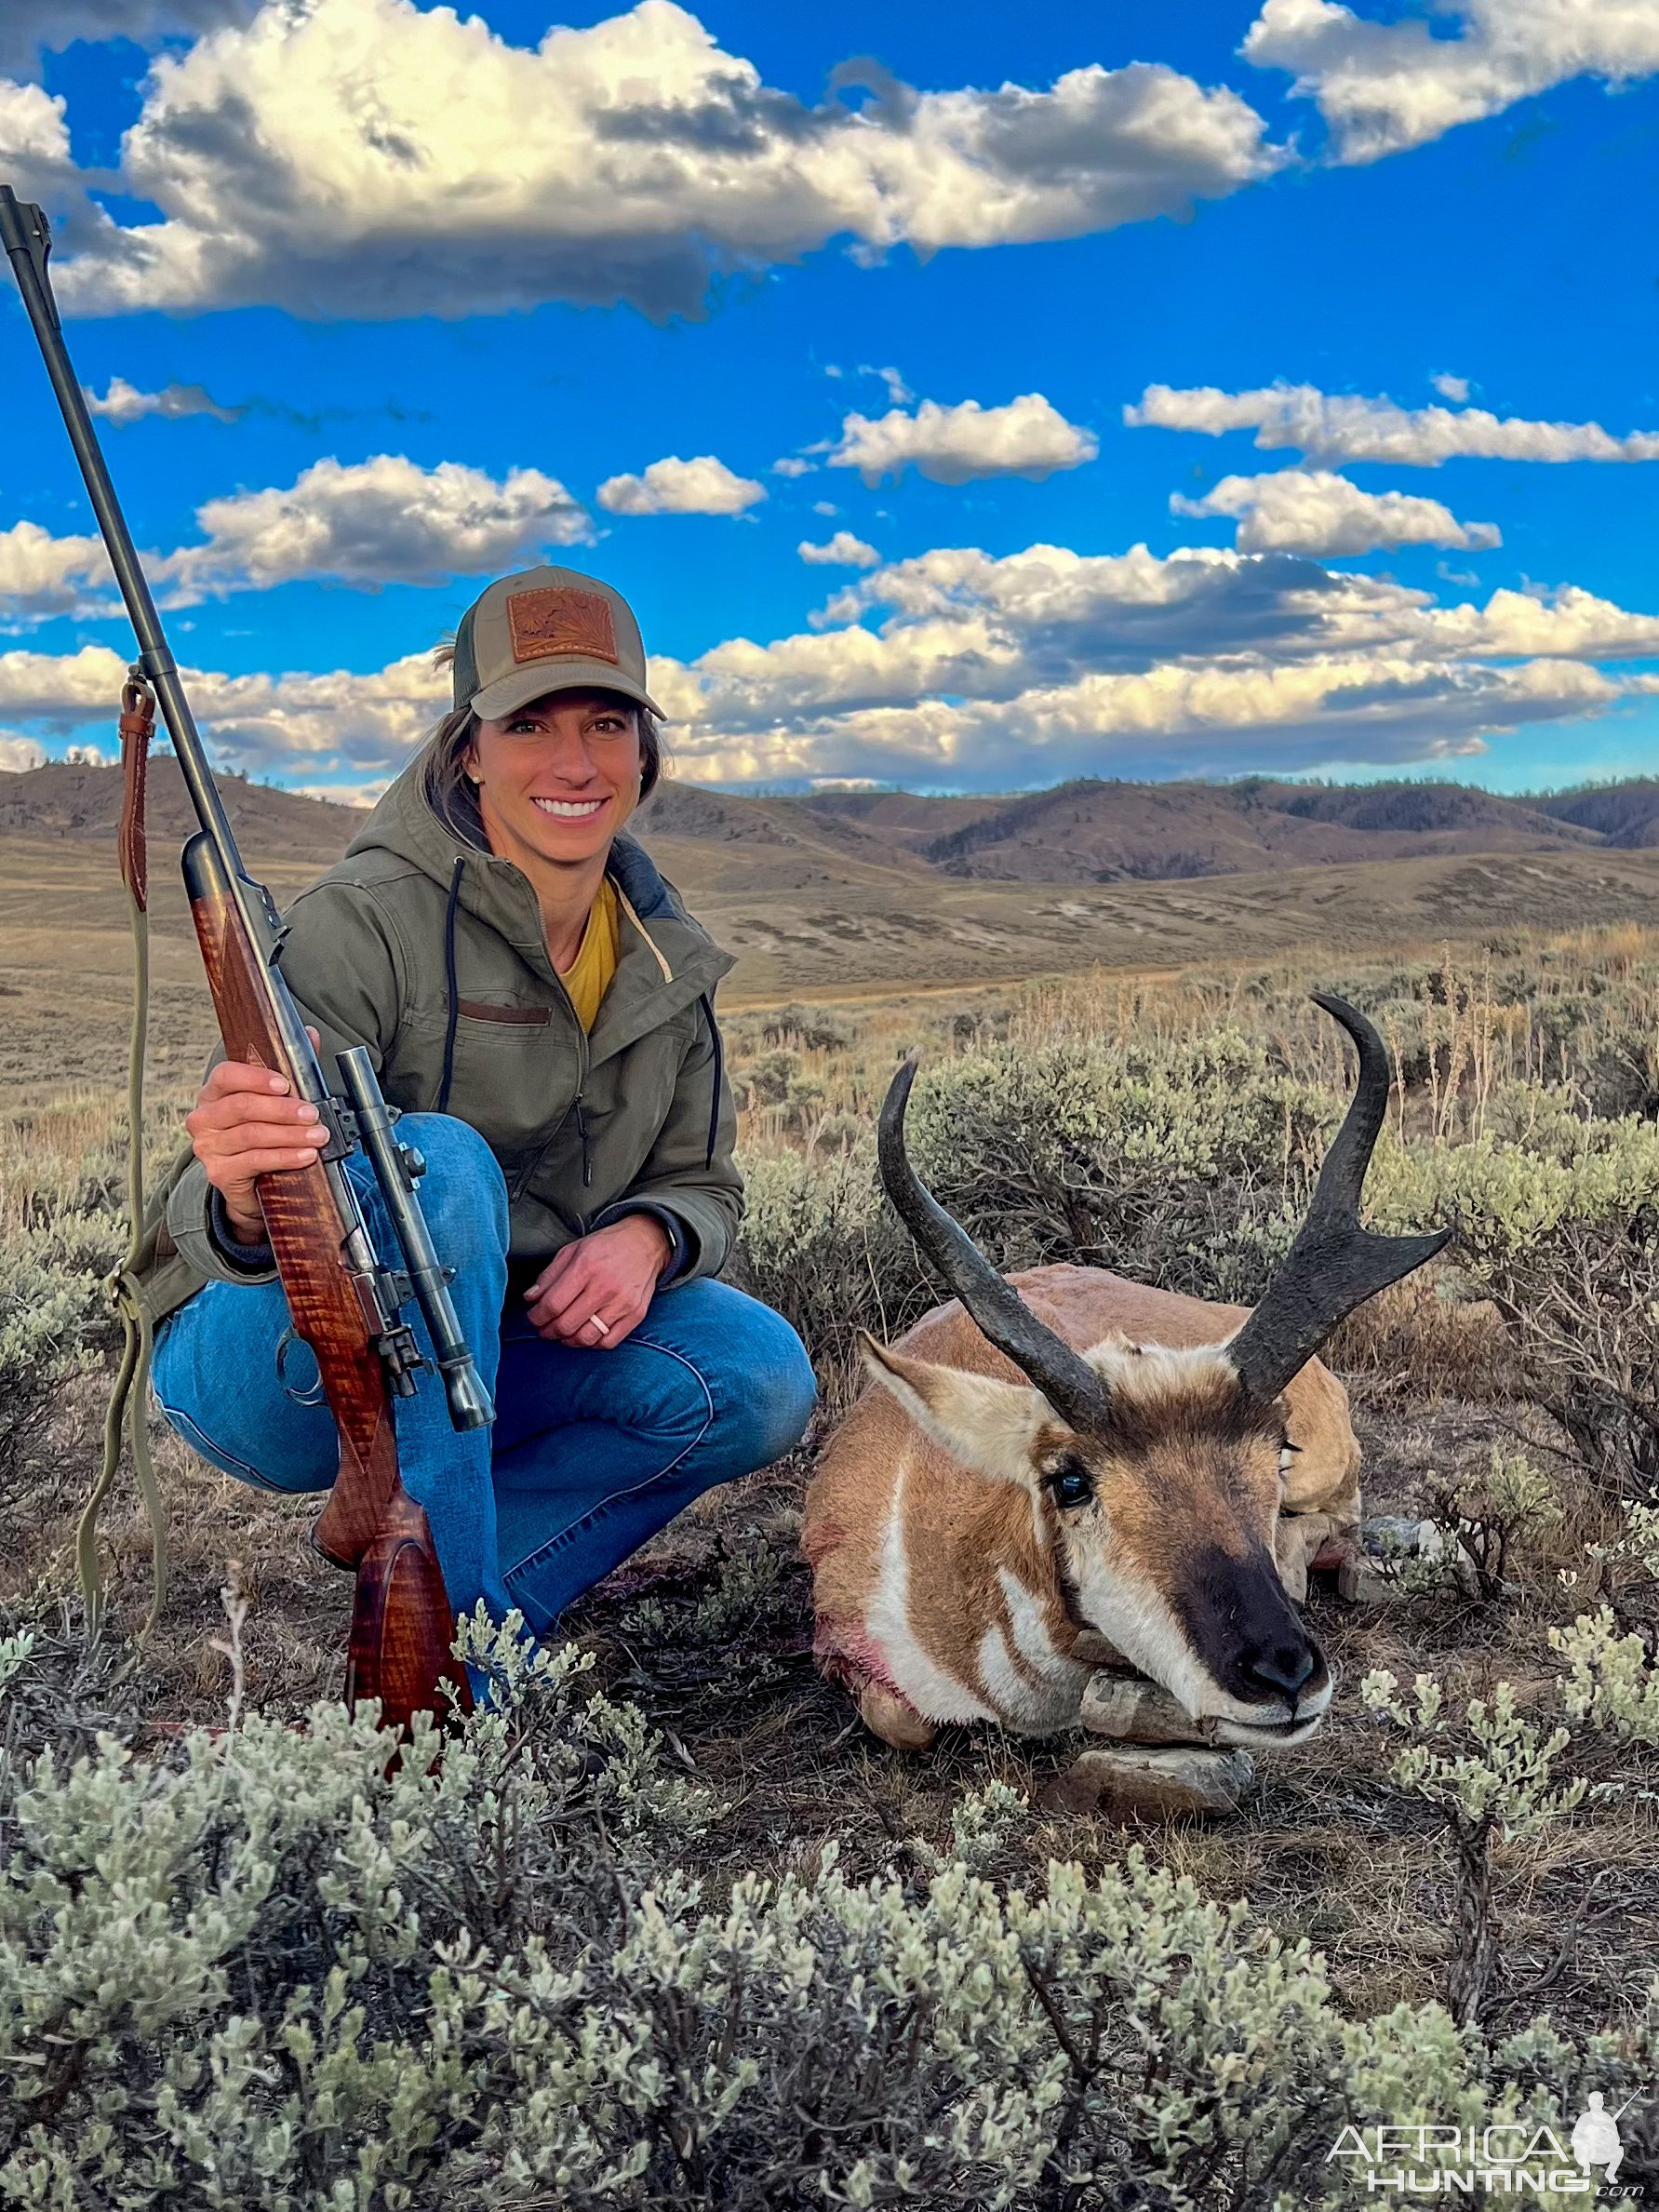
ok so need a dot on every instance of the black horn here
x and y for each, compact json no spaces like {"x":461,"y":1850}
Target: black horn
{"x":1064,"y":1376}
{"x":1334,"y":1265}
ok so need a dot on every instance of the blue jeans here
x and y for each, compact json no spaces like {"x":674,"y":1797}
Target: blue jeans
{"x":592,"y":1452}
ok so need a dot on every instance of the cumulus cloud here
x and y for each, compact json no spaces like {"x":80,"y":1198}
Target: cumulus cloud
{"x":954,"y":445}
{"x":20,"y":753}
{"x":367,"y":523}
{"x":41,"y":576}
{"x":1339,"y":428}
{"x":312,"y":725}
{"x":386,"y":520}
{"x":967,"y":669}
{"x":842,"y":551}
{"x":675,"y":487}
{"x":1382,"y":88}
{"x":311,"y":160}
{"x":1312,"y":512}
{"x":28,"y":25}
{"x":34,"y":143}
{"x":124,"y":403}
{"x":1451,"y":387}
{"x":960,"y":668}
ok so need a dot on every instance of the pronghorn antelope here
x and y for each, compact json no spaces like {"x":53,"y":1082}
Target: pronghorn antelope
{"x":1119,"y":1474}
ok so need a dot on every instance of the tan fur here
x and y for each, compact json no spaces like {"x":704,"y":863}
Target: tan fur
{"x":960,"y":1530}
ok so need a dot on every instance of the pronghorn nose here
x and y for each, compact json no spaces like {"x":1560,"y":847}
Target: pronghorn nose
{"x":1279,"y":1668}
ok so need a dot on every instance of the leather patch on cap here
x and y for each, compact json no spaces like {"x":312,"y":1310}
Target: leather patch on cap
{"x":561,"y":620}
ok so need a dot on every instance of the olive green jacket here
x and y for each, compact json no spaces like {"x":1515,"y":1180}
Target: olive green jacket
{"x":430,"y":950}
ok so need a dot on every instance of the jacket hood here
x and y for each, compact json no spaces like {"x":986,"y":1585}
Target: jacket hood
{"x":498,"y":894}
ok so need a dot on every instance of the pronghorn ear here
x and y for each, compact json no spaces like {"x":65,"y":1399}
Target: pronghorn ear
{"x":988,"y":1425}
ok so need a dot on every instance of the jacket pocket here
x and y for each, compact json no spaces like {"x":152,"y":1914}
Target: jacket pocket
{"x":479,"y":1009}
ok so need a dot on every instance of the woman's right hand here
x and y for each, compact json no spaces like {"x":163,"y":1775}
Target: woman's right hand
{"x":246,"y":1124}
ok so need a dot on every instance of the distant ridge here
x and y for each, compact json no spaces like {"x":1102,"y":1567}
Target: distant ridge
{"x":1088,"y":831}
{"x":1622,"y":813}
{"x":1096,"y":832}
{"x":64,"y":800}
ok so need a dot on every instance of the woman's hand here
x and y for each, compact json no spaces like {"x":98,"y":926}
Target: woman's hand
{"x":247,"y":1122}
{"x":596,"y":1290}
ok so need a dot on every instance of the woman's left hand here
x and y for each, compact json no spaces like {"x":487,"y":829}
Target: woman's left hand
{"x":596,"y":1290}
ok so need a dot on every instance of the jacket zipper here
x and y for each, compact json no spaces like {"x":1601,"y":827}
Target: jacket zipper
{"x":521,"y":1182}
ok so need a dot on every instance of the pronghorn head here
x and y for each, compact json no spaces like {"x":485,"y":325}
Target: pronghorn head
{"x":1155,"y":1473}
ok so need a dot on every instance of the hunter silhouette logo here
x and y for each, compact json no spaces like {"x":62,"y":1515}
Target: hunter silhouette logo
{"x":1596,"y":2134}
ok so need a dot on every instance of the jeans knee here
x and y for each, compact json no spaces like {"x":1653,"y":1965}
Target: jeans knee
{"x":779,"y":1394}
{"x":462,"y":1193}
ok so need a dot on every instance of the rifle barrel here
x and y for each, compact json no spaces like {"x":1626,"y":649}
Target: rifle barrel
{"x":28,"y":240}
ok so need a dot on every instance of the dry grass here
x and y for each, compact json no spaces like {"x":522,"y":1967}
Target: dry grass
{"x":1323,"y":1848}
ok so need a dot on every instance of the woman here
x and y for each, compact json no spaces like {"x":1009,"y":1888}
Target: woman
{"x":539,"y":1005}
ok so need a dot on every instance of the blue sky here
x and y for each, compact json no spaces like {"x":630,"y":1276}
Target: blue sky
{"x":649,"y":246}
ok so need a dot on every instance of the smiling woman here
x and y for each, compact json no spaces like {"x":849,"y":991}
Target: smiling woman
{"x":540,"y":1006}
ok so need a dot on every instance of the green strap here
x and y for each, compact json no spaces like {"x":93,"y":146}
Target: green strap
{"x":129,"y":1398}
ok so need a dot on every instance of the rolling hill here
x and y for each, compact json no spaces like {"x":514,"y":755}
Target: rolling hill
{"x":1623,"y":814}
{"x":1085,"y":832}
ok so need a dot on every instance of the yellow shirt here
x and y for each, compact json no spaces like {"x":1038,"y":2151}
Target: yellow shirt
{"x":588,"y":978}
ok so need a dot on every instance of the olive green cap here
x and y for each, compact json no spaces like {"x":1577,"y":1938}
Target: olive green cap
{"x":547,"y":630}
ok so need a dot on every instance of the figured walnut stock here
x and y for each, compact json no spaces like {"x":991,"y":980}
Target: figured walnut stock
{"x":401,"y":1620}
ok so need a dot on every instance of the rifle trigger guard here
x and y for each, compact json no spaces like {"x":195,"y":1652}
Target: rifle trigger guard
{"x":285,"y":1344}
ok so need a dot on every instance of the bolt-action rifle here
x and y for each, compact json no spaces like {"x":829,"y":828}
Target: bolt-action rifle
{"x":344,"y":1300}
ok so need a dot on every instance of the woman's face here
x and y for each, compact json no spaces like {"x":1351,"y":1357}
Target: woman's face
{"x":557,"y":779}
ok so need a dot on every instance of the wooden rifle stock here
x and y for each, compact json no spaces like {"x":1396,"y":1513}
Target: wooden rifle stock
{"x":401,"y":1619}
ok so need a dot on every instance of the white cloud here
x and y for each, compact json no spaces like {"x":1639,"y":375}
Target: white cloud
{"x":703,"y":485}
{"x":124,"y":403}
{"x":27,"y":25}
{"x":1338,"y":427}
{"x":41,"y":576}
{"x":1384,"y":86}
{"x":386,"y":520}
{"x":1451,"y":387}
{"x":312,"y":724}
{"x":375,"y":158}
{"x":957,"y":668}
{"x":954,"y":445}
{"x":17,"y":754}
{"x":367,"y":523}
{"x":33,"y":142}
{"x":842,"y":551}
{"x":793,"y":465}
{"x":898,"y":392}
{"x":1309,"y":511}
{"x":960,"y":667}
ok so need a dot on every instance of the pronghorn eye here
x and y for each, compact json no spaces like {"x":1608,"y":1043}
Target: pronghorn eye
{"x":1071,"y":1483}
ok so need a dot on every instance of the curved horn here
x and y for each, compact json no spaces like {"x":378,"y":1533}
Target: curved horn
{"x":1334,"y":1265}
{"x":1064,"y":1376}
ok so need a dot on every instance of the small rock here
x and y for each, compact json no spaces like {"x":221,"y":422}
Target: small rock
{"x":1397,"y":1535}
{"x":1363,"y":1582}
{"x":1143,"y":1785}
{"x":1136,"y":1711}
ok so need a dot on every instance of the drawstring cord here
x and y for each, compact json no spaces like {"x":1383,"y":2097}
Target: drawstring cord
{"x":454,"y":1013}
{"x":707,"y":1004}
{"x":129,"y":1398}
